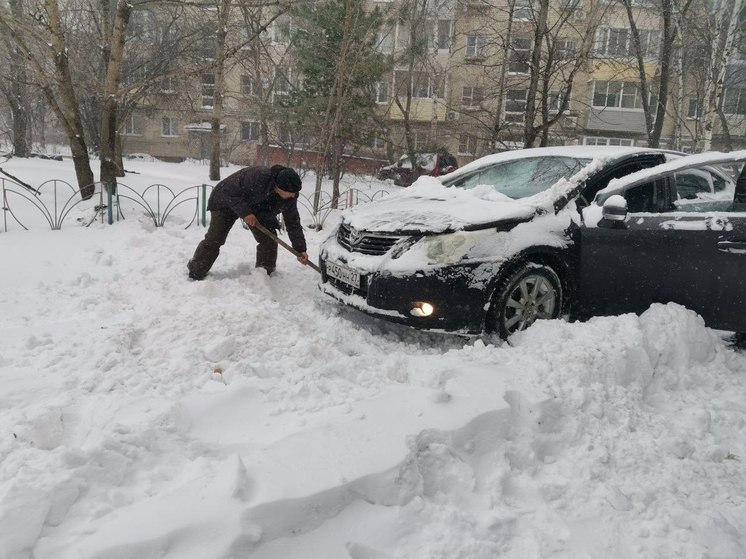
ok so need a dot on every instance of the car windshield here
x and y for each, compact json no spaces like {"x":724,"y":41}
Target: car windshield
{"x":521,"y":178}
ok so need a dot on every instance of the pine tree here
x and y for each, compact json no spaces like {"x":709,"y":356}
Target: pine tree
{"x":337,"y":59}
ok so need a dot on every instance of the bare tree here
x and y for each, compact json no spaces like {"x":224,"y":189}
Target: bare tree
{"x":416,"y":72}
{"x":15,"y":90}
{"x":655,"y":115}
{"x":727,"y":19}
{"x":110,"y":169}
{"x":40,"y":37}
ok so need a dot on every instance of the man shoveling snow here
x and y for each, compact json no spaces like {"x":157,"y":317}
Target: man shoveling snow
{"x":256,"y":195}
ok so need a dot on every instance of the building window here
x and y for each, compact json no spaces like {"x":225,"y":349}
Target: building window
{"x":169,"y":85}
{"x":142,"y":26}
{"x":467,"y":145}
{"x":384,"y":41}
{"x":693,"y":110}
{"x":421,"y":85}
{"x":596,"y":141}
{"x":419,"y":140}
{"x":131,"y":126}
{"x":378,"y":142}
{"x":402,"y":35}
{"x":248,"y":86}
{"x":382,"y":93}
{"x":616,"y":95}
{"x":443,"y":34}
{"x":565,"y":49}
{"x":520,"y":56}
{"x":515,"y":105}
{"x":573,"y":9}
{"x":207,"y":47}
{"x":476,"y":46}
{"x":619,"y":42}
{"x":250,"y":131}
{"x":208,"y":90}
{"x":522,"y":10}
{"x":556,"y":96}
{"x":289,"y":137}
{"x":471,"y":96}
{"x":734,"y":102}
{"x":285,"y":82}
{"x":282,"y":29}
{"x":168,"y":126}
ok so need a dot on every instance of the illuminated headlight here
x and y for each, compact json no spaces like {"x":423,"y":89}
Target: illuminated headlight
{"x":450,"y":248}
{"x":420,"y":308}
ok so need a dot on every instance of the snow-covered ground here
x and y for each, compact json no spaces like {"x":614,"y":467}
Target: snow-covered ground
{"x":147,"y":416}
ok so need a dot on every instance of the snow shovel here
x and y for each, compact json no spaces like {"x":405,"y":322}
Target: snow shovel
{"x":283,"y":244}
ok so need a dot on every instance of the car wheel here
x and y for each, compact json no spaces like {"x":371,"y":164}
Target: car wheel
{"x":532,"y":292}
{"x":739,"y":340}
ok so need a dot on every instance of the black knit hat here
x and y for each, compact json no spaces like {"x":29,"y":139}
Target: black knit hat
{"x":288,"y":180}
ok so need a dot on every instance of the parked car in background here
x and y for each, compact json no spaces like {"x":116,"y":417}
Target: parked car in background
{"x":543,"y":233}
{"x":430,"y":164}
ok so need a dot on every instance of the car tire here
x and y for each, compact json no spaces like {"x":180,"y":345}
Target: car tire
{"x":531,"y":292}
{"x":739,"y":340}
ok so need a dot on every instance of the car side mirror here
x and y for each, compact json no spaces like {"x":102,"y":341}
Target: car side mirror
{"x":614,"y":212}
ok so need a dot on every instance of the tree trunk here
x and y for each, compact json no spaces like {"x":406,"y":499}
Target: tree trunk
{"x":118,"y":155}
{"x":722,"y":48}
{"x":68,"y":104}
{"x":340,"y":94}
{"x":665,"y":73}
{"x":644,"y":89}
{"x":497,"y":122}
{"x":109,"y":168}
{"x":219,"y":89}
{"x":18,"y":93}
{"x":529,"y":131}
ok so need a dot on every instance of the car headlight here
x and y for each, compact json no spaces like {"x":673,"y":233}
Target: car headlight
{"x":452,"y":247}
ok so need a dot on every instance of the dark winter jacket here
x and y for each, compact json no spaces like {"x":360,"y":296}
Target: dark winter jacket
{"x":250,"y":191}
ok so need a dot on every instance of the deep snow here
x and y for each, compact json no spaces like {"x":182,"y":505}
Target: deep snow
{"x":145,"y":416}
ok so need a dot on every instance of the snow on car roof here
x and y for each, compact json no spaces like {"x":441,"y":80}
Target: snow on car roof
{"x":619,"y":185}
{"x":430,"y":205}
{"x":579,"y":152}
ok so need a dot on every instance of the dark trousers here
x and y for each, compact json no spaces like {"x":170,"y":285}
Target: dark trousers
{"x":209,"y":248}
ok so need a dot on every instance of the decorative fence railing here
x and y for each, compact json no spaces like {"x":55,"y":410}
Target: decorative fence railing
{"x":56,"y":202}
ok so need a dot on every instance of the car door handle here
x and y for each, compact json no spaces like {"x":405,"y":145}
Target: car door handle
{"x":734,"y":247}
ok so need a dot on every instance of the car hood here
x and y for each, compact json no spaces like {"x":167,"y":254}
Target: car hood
{"x":429,"y":207}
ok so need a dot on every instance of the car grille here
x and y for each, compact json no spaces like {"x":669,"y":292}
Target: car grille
{"x":365,"y":241}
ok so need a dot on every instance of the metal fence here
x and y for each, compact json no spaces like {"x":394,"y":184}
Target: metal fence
{"x":56,"y":202}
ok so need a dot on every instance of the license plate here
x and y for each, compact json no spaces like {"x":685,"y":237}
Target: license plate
{"x":343,"y":274}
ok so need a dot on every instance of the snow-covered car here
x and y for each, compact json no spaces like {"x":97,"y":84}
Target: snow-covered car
{"x":641,"y":244}
{"x":490,"y":247}
{"x":430,"y":164}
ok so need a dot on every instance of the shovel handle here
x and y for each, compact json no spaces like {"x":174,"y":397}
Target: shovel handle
{"x":283,"y":244}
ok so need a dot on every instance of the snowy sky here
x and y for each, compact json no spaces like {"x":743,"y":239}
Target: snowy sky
{"x":145,"y":415}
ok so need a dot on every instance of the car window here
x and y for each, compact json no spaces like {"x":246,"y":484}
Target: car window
{"x":522,"y":177}
{"x":640,"y":198}
{"x":627,"y":168}
{"x":651,"y":197}
{"x":691,"y":183}
{"x":719,"y":182}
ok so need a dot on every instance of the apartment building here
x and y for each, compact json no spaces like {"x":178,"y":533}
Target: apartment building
{"x":470,"y":91}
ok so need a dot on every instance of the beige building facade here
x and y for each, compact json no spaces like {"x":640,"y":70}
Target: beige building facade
{"x":469,"y":93}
